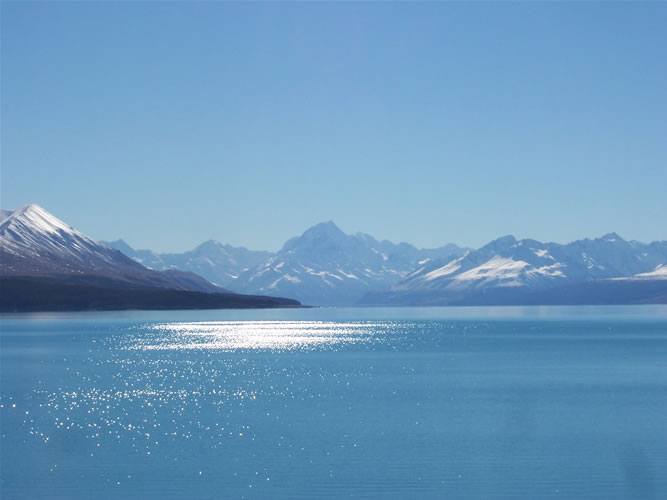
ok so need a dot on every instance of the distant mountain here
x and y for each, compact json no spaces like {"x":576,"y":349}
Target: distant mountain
{"x":218,"y":263}
{"x":528,"y":271}
{"x":43,"y":258}
{"x":325,"y":266}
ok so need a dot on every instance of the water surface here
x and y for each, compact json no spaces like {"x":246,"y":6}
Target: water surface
{"x":373,"y":403}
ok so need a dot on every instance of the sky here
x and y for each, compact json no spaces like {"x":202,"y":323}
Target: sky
{"x":171,"y":123}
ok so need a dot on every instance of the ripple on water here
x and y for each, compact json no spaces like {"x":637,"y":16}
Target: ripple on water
{"x":139,"y":390}
{"x":301,"y":408}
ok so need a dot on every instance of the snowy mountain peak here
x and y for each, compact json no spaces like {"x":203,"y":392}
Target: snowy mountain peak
{"x":34,"y":241}
{"x":37,"y":244}
{"x":325,"y":235}
{"x":37,"y":219}
{"x":326,"y":266}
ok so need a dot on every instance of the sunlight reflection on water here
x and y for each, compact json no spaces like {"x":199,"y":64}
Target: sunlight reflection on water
{"x":306,"y":408}
{"x":255,"y":335}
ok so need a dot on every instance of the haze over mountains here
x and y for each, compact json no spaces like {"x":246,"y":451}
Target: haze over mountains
{"x":325,"y":266}
{"x":218,"y":263}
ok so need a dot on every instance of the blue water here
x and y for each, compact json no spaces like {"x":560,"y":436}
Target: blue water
{"x":519,"y":403}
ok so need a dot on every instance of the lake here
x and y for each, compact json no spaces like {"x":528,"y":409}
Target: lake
{"x":508,"y":402}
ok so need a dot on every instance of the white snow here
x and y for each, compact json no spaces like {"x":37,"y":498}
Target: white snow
{"x":590,"y":262}
{"x":347,"y":275}
{"x":287,"y":277}
{"x":552,"y":271}
{"x":41,"y":220}
{"x":384,"y":257}
{"x":34,"y":234}
{"x":324,"y":274}
{"x":496,"y":268}
{"x":659,"y":272}
{"x":31,"y":230}
{"x":445,"y":270}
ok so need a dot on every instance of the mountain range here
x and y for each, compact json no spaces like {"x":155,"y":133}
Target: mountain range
{"x":44,"y":259}
{"x":325,"y":266}
{"x":218,"y":263}
{"x":602,"y":270}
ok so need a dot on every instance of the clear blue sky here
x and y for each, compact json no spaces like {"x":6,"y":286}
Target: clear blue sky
{"x":167,"y":124}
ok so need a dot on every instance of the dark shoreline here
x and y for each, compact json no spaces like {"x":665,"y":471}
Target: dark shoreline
{"x":46,"y":295}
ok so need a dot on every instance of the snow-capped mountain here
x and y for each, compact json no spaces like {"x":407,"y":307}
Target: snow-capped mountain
{"x":325,"y":266}
{"x":35,"y":243}
{"x":510,"y":268}
{"x":218,"y":263}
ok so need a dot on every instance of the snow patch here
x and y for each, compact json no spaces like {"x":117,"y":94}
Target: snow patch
{"x":590,"y":262}
{"x":541,"y":253}
{"x":347,"y":275}
{"x":384,"y":257}
{"x":659,"y":272}
{"x":445,"y":270}
{"x":495,"y":269}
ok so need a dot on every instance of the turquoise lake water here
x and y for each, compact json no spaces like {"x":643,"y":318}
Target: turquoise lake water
{"x":516,"y":403}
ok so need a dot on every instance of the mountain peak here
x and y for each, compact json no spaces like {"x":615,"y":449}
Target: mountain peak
{"x":32,"y":210}
{"x":502,"y":242}
{"x":611,"y":238}
{"x":325,"y":226}
{"x":326,"y":229}
{"x":322,"y":237}
{"x":120,"y":245}
{"x":209,"y":244}
{"x":37,"y":218}
{"x":34,"y":241}
{"x":30,"y":207}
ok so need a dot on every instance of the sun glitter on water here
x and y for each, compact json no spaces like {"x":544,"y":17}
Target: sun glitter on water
{"x":254,"y":335}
